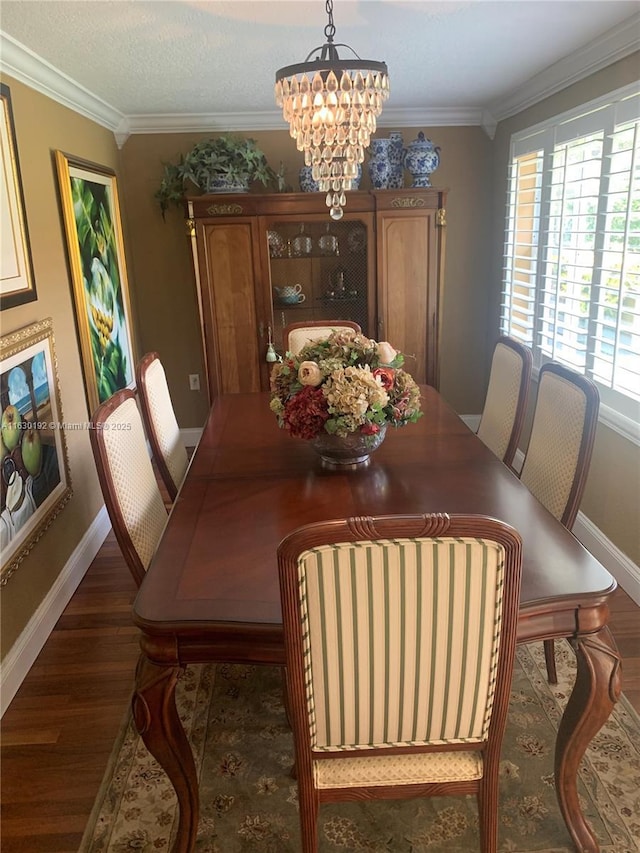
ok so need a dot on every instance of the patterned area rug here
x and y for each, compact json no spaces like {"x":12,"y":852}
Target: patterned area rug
{"x":244,"y":753}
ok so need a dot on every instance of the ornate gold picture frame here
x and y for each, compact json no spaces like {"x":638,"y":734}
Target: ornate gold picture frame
{"x":91,"y":211}
{"x":34,"y":476}
{"x":17,"y":284}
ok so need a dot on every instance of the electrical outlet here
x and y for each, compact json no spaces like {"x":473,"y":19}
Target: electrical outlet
{"x":194,"y":381}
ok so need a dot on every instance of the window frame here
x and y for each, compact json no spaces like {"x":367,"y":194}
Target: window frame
{"x":618,"y":410}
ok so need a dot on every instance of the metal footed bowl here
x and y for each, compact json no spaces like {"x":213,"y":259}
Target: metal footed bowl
{"x":350,"y":451}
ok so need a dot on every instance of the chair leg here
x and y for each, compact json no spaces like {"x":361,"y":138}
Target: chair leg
{"x":309,"y":804}
{"x":550,"y":659}
{"x":488,"y":812}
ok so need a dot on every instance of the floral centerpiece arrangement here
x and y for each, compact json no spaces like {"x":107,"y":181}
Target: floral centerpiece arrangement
{"x":344,"y":385}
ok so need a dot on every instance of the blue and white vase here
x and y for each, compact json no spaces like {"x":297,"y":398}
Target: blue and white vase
{"x":396,"y":177}
{"x":396,"y":148}
{"x":379,"y":164}
{"x":223,"y":184}
{"x":396,"y":158}
{"x":422,"y":158}
{"x":307,"y":184}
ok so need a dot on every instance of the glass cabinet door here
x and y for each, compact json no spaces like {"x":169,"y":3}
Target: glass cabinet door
{"x":320,"y":270}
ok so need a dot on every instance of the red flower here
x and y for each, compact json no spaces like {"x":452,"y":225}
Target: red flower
{"x":369,"y":428}
{"x":386,"y":375}
{"x":305,"y":413}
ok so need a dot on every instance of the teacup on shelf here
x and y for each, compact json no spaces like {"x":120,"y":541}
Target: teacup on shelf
{"x":290,"y":294}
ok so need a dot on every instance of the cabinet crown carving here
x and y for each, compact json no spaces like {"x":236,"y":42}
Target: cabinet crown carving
{"x":408,"y":202}
{"x":224,"y":209}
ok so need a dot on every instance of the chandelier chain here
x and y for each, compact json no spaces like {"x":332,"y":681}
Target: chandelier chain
{"x":330,"y":29}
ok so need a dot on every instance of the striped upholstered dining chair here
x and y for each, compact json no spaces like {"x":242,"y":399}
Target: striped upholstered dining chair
{"x":128,"y":481}
{"x":297,"y":335}
{"x":506,"y":402}
{"x":400,"y":637}
{"x":556,"y":463}
{"x":160,"y":422}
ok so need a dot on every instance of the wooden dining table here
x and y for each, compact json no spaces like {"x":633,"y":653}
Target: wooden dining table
{"x":211,"y":593}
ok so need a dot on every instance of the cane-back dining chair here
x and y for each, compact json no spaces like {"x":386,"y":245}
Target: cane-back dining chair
{"x":558,"y":456}
{"x":400,"y":635}
{"x":129,"y":486}
{"x":160,"y":422}
{"x":297,"y":335}
{"x":506,"y":402}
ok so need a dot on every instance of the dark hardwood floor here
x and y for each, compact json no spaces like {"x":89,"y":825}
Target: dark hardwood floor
{"x":58,"y":733}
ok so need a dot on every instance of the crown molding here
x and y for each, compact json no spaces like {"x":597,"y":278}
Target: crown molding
{"x":272,"y":120}
{"x":489,"y":123}
{"x":618,"y":42}
{"x":431,"y":117}
{"x":24,"y":65}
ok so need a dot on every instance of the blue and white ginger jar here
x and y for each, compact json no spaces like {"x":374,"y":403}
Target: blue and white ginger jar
{"x":422,"y":158}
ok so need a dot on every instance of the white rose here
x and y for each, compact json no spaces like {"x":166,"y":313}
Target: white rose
{"x":309,"y":373}
{"x":386,"y":353}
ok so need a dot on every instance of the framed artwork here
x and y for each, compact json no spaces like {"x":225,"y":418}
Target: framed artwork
{"x":17,"y":284}
{"x":34,"y":476}
{"x":91,"y":211}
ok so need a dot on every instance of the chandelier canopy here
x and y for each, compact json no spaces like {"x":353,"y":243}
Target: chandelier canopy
{"x":331,"y":105}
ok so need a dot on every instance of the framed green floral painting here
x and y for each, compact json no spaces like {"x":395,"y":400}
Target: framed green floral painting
{"x":91,"y":211}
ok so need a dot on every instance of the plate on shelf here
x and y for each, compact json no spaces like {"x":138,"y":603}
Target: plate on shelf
{"x":357,"y":239}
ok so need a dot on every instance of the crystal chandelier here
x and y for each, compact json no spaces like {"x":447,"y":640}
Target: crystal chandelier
{"x":331,"y":105}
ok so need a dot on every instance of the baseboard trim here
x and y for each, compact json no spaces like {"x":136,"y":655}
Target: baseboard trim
{"x":472,"y":421}
{"x":624,"y":570}
{"x":603,"y":549}
{"x":191,"y":436}
{"x":22,"y":655}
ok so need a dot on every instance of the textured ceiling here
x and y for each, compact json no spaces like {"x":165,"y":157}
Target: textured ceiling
{"x":162,"y":57}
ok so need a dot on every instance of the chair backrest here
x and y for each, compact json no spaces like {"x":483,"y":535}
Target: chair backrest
{"x":506,"y":402}
{"x":129,"y":486}
{"x":160,"y":422}
{"x":295,"y":336}
{"x":399,"y":632}
{"x":557,"y":460}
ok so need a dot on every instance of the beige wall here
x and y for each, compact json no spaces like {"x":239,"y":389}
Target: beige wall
{"x":161,"y":264}
{"x":41,"y":127}
{"x":612,"y":496}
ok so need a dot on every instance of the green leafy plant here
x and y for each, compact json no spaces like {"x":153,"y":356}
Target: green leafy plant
{"x":230,"y":159}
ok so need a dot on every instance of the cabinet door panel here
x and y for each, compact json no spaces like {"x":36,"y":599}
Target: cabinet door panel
{"x":407,"y":275}
{"x":231,"y":277}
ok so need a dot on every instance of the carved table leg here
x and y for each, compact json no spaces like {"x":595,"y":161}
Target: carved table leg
{"x":596,"y":691}
{"x":157,"y":721}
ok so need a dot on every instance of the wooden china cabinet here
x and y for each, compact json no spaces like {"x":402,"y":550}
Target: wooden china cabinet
{"x":264,"y":261}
